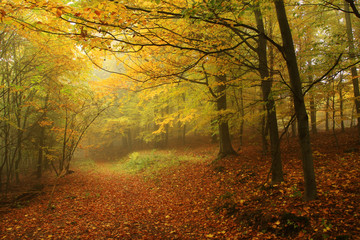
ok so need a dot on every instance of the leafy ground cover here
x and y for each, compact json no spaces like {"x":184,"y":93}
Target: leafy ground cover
{"x":184,"y":194}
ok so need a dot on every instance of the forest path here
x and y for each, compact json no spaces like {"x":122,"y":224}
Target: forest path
{"x":101,"y":203}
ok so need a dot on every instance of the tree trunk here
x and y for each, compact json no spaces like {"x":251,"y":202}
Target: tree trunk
{"x":40,"y":153}
{"x":293,"y":124}
{"x":166,"y":134}
{"x":19,"y":156}
{"x":327,"y":106}
{"x":264,"y":131}
{"x":340,"y":88}
{"x":266,"y":84}
{"x":240,"y":108}
{"x":354,"y":74}
{"x":42,"y":137}
{"x":41,"y":144}
{"x":312,"y":102}
{"x":333,"y":109}
{"x":64,"y":149}
{"x":129,"y":139}
{"x":313,"y":114}
{"x":299,"y":104}
{"x":181,"y":126}
{"x":214,"y":135}
{"x":334,"y":116}
{"x":184,"y":134}
{"x":224,"y":134}
{"x":6,"y":135}
{"x":242,"y":114}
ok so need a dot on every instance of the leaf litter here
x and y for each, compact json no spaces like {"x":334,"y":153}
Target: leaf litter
{"x":228,"y":199}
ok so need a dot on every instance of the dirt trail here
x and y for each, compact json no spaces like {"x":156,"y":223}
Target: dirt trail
{"x":103,"y":204}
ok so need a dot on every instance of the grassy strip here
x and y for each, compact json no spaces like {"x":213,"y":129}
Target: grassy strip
{"x":152,"y":162}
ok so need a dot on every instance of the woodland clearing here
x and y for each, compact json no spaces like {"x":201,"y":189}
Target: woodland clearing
{"x":182,"y":194}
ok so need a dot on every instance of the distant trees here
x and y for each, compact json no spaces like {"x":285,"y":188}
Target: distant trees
{"x":34,"y":81}
{"x":20,"y":76}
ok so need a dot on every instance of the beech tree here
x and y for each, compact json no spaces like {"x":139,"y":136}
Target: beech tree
{"x":299,"y":103}
{"x":354,"y":73}
{"x":276,"y":168}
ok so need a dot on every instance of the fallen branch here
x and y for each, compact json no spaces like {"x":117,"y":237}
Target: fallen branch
{"x":61,"y":174}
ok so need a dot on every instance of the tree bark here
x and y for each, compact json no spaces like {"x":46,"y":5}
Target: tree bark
{"x":313,"y":114}
{"x":266,"y":84}
{"x":240,"y":108}
{"x":293,"y":124}
{"x":224,"y":134}
{"x":327,"y":106}
{"x":264,"y":131}
{"x":354,"y":74}
{"x":299,"y":104}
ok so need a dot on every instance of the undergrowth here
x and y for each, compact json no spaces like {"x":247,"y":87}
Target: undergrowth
{"x":152,"y":162}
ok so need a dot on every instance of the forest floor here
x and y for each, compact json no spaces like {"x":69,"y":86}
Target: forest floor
{"x":183,"y":194}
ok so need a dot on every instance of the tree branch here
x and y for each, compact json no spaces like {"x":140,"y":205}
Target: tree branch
{"x":323,"y":76}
